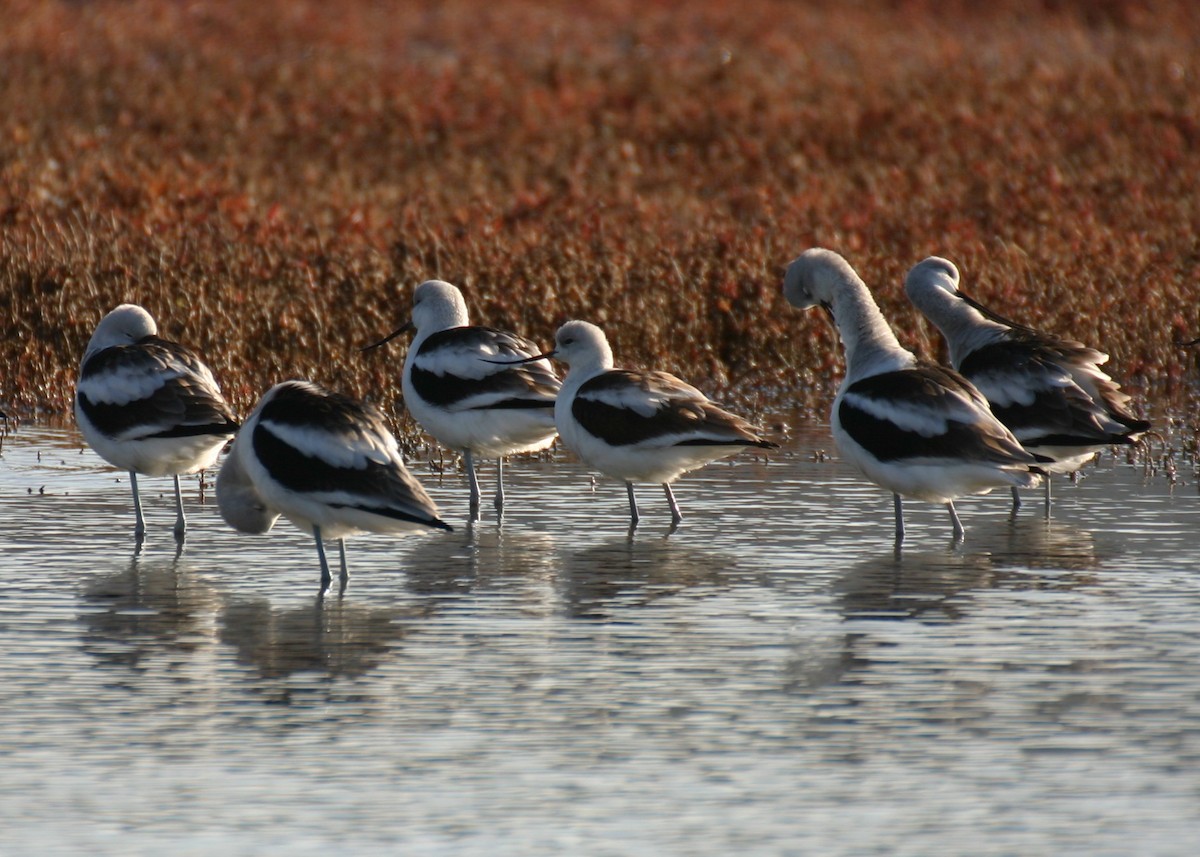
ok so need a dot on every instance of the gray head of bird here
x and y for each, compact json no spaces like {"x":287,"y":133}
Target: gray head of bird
{"x":816,"y":277}
{"x":437,"y":305}
{"x":931,"y":279}
{"x":932,"y":286}
{"x":125,"y":325}
{"x":581,"y":344}
{"x":238,"y":500}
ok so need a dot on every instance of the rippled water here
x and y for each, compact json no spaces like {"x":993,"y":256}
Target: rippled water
{"x":772,"y":678}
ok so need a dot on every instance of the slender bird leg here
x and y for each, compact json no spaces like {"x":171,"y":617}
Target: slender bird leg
{"x":1016,"y":498}
{"x":898,"y":505}
{"x":959,"y":532}
{"x":1047,"y":478}
{"x":500,"y":484}
{"x":139,"y":530}
{"x":325,"y":575}
{"x":473,"y":480}
{"x":345,"y":572}
{"x":634,"y":517}
{"x":676,"y":515}
{"x":180,"y":519}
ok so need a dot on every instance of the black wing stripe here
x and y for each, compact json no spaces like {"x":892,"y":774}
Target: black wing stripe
{"x":396,"y":515}
{"x":305,"y":474}
{"x":195,"y":417}
{"x":887,"y":442}
{"x":448,"y":390}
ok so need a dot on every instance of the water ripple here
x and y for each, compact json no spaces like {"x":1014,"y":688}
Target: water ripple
{"x":773,"y":677}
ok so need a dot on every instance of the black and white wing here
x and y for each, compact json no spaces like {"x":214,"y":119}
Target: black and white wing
{"x":339,"y":452}
{"x":1052,"y":392}
{"x":623,"y":407}
{"x":152,"y":388}
{"x":926,"y":413}
{"x":462,"y":368}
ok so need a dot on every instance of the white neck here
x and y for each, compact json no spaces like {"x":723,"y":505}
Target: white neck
{"x":591,"y":362}
{"x":965,"y":328}
{"x":871,"y":346}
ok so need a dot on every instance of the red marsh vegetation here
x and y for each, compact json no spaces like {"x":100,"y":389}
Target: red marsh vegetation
{"x":272,"y":178}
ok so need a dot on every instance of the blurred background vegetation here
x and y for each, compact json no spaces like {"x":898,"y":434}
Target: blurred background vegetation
{"x":271,"y":179}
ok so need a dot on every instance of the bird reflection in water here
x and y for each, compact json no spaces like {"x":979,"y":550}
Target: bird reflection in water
{"x":629,"y":572}
{"x":150,"y":607}
{"x":477,"y":559}
{"x":937,"y":586}
{"x":328,"y":637}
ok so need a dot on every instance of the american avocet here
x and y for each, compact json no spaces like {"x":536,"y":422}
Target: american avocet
{"x":915,"y":428}
{"x":328,"y":464}
{"x":473,"y":388}
{"x":1050,"y":392}
{"x":148,"y":405}
{"x":638,"y":426}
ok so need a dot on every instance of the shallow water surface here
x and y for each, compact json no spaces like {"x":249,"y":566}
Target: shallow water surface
{"x":771,"y":678}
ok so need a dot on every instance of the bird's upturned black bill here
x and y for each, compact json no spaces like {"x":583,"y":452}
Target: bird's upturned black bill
{"x":405,"y":329}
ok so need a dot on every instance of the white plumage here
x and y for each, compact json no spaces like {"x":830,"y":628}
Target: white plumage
{"x":915,"y":428}
{"x":148,"y":405}
{"x":1050,"y":392}
{"x":638,"y":426}
{"x":473,"y":388}
{"x":328,"y":464}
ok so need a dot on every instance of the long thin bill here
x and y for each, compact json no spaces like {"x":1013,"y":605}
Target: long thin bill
{"x":405,"y":329}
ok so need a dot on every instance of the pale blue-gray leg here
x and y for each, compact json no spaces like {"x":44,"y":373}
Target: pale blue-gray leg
{"x":634,"y":517}
{"x":180,"y":519}
{"x":959,"y":532}
{"x":898,"y":505}
{"x":1047,"y":478}
{"x":1016,"y":495}
{"x":325,"y":576}
{"x":345,"y":572}
{"x":473,"y":481}
{"x":139,"y":530}
{"x":676,"y":515}
{"x":499,"y":484}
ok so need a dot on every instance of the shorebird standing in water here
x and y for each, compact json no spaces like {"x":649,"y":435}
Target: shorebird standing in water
{"x":638,"y":426}
{"x":148,"y":405}
{"x":328,"y":464}
{"x":1050,"y":392}
{"x":473,"y":388}
{"x":915,"y":428}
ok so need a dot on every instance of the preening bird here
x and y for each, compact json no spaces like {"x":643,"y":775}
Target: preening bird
{"x":913,"y":427}
{"x":1049,"y":391}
